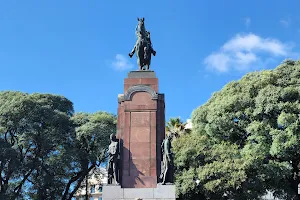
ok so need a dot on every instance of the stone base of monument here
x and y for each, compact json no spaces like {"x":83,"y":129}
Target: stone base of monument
{"x":161,"y":192}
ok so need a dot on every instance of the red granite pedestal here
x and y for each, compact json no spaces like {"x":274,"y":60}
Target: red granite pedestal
{"x":141,"y":130}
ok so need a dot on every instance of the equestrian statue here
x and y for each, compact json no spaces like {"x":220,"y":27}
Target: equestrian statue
{"x":143,"y":46}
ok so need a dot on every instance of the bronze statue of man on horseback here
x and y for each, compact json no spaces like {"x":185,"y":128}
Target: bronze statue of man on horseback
{"x":143,"y":46}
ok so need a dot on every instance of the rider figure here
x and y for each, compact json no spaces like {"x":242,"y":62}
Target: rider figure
{"x":150,"y":43}
{"x":148,"y":49}
{"x":143,"y":46}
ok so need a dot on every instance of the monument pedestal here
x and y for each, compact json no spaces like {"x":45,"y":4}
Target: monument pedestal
{"x":140,"y":130}
{"x":161,"y":192}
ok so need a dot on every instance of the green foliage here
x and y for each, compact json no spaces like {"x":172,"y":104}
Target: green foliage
{"x":45,"y":150}
{"x":245,"y":139}
{"x":176,"y":127}
{"x":93,"y":131}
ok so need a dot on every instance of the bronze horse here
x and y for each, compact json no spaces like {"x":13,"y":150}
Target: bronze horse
{"x":143,"y":47}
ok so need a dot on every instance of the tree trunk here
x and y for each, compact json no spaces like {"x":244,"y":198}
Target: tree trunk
{"x":86,"y":186}
{"x":295,"y":179}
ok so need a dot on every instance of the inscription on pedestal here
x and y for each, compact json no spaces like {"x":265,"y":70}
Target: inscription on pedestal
{"x":140,"y":119}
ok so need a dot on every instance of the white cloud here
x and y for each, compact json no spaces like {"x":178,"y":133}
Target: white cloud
{"x":244,"y":50}
{"x":247,"y":21}
{"x":245,"y":58}
{"x":218,"y":61}
{"x":251,"y":42}
{"x":285,"y":22}
{"x":121,"y":63}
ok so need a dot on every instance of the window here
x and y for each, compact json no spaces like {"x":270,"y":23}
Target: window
{"x":91,"y":198}
{"x":92,"y":189}
{"x":100,"y":188}
{"x":100,"y":198}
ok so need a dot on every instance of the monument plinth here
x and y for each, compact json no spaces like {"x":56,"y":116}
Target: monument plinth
{"x":141,"y":130}
{"x":143,"y":157}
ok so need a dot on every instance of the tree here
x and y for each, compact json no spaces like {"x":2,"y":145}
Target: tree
{"x":245,"y":139}
{"x":176,"y":127}
{"x":92,"y":134}
{"x":46,"y":150}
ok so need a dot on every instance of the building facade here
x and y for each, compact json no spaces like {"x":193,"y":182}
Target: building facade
{"x":188,"y":124}
{"x":96,"y":179}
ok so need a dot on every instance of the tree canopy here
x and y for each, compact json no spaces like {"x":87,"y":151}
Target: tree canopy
{"x":45,"y":149}
{"x":176,"y":127}
{"x":245,"y":139}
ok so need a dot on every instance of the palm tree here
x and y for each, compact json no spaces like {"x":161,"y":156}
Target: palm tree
{"x":176,"y":127}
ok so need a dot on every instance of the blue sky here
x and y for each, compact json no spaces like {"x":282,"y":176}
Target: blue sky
{"x":79,"y":49}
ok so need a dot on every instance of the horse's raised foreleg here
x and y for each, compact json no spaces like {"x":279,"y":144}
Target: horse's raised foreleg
{"x":132,"y":52}
{"x":153,"y":52}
